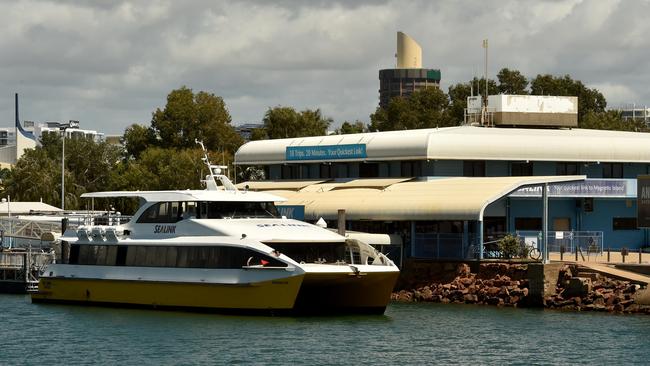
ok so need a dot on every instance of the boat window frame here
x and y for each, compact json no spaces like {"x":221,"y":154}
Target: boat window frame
{"x":174,"y":256}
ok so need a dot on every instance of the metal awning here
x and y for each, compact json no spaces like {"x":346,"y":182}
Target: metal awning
{"x":287,"y":185}
{"x":457,"y":198}
{"x":377,"y":183}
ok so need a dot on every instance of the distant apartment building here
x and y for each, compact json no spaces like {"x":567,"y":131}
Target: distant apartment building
{"x":632,"y":112}
{"x":408,"y":75}
{"x":72,"y":133}
{"x":27,"y":135}
{"x":245,"y":130}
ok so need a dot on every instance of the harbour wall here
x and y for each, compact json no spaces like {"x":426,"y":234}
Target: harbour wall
{"x":518,"y":284}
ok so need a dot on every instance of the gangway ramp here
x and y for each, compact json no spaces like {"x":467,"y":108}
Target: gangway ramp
{"x":617,"y":273}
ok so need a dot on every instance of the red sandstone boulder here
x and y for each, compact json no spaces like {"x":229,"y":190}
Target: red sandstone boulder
{"x":463,"y":270}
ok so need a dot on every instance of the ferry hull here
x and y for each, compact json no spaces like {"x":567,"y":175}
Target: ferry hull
{"x":278,"y":294}
{"x":308,"y":294}
{"x":365,"y":293}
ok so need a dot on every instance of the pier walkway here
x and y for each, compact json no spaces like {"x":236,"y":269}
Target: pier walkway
{"x":617,"y":273}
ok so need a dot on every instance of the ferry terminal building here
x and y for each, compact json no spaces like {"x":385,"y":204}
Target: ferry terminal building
{"x":444,"y":190}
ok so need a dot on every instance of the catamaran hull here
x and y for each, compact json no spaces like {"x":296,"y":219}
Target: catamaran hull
{"x":300,"y":294}
{"x":323,"y":293}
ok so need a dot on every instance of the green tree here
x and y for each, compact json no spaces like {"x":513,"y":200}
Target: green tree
{"x":286,"y":122}
{"x":88,"y":168}
{"x":512,"y":82}
{"x":188,"y":116}
{"x":611,"y":120}
{"x":162,"y":169}
{"x":136,"y":139}
{"x":349,"y":128}
{"x":89,"y":174}
{"x":35,"y":177}
{"x":509,"y":246}
{"x":458,"y":94}
{"x":259,"y":134}
{"x":425,"y":108}
{"x":589,"y":100}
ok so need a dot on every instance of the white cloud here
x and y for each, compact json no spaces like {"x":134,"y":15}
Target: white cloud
{"x":110,"y":64}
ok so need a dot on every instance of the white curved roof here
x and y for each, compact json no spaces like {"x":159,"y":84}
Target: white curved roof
{"x":468,"y":143}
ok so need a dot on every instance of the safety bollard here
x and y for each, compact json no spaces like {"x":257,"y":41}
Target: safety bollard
{"x":608,"y":250}
{"x":639,"y":255}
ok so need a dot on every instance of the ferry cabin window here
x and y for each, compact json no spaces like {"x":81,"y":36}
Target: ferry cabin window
{"x":221,"y":210}
{"x":168,"y":212}
{"x":312,"y":252}
{"x":612,"y":170}
{"x":162,"y":212}
{"x":214,"y":257}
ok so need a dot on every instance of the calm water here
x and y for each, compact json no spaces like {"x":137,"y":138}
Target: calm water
{"x":408,"y":334}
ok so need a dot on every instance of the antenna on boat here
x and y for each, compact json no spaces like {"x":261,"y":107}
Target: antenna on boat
{"x":215,"y":173}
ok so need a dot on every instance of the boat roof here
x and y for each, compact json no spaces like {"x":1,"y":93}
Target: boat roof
{"x":191,"y":195}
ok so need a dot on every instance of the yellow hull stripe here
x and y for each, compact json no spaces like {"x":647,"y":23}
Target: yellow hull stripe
{"x":275,"y":294}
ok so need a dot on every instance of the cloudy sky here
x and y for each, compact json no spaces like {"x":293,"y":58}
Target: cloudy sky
{"x":109,"y":64}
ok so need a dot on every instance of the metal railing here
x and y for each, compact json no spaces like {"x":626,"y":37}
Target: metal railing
{"x":443,"y":246}
{"x":587,"y":242}
{"x":24,"y":266}
{"x":453,"y":246}
{"x":27,"y":228}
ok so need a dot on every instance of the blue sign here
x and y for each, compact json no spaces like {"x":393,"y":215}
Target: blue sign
{"x":292,"y":211}
{"x":326,"y":152}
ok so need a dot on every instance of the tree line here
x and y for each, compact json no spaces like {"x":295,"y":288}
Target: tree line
{"x":164,"y":155}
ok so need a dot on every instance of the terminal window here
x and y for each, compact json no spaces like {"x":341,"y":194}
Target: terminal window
{"x":411,"y":168}
{"x":624,"y":223}
{"x":368,"y":170}
{"x":567,"y":169}
{"x":474,"y":168}
{"x":521,"y":169}
{"x":328,"y":170}
{"x":528,"y":223}
{"x":612,"y":170}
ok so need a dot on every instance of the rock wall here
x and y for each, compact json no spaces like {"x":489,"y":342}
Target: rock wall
{"x":494,"y":284}
{"x":555,"y":286}
{"x":594,"y":292}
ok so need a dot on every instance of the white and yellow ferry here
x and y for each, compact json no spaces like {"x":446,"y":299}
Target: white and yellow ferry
{"x":219,"y":249}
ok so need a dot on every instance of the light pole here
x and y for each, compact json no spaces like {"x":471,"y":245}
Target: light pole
{"x":62,"y":128}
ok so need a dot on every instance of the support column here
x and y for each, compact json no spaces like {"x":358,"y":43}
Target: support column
{"x":412,"y":239}
{"x":480,"y":238}
{"x":465,"y":239}
{"x":545,"y":223}
{"x":341,"y":222}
